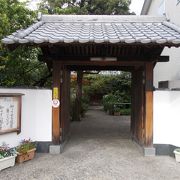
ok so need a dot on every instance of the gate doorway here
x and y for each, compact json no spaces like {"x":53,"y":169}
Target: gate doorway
{"x":142,"y":95}
{"x":102,"y":122}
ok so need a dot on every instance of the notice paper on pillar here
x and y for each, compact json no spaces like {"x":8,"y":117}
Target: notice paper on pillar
{"x":55,"y":103}
{"x":55,"y":93}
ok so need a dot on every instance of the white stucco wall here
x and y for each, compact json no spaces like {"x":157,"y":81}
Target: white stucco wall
{"x":156,"y":8}
{"x":36,"y":118}
{"x":166,"y":118}
{"x":170,"y":70}
{"x":37,"y":115}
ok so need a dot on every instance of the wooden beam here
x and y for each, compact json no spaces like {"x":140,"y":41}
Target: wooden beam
{"x":102,"y":63}
{"x":98,"y":68}
{"x":148,"y":104}
{"x":56,"y":110}
{"x":48,"y":57}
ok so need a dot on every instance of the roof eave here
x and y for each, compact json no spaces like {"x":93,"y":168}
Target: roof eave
{"x":152,"y":44}
{"x":146,"y":6}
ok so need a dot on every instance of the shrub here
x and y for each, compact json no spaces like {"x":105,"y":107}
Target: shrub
{"x":84,"y":105}
{"x":113,"y":103}
{"x":125,"y":112}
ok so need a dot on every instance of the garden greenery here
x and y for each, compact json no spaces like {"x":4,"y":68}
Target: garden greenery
{"x":6,"y":151}
{"x":25,"y":146}
{"x":112,"y":91}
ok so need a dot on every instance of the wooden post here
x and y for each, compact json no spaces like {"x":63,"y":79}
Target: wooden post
{"x":65,"y":104}
{"x":77,"y":107}
{"x":148,"y":104}
{"x":137,"y":116}
{"x":56,"y":96}
{"x":133,"y":88}
{"x":79,"y":91}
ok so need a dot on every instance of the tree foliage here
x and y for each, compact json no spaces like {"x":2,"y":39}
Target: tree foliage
{"x":119,"y":85}
{"x":113,"y":91}
{"x":98,"y":7}
{"x":21,"y":66}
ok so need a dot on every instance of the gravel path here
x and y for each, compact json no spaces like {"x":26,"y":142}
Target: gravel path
{"x":99,"y":149}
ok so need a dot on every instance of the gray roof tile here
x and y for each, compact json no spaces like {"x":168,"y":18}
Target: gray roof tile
{"x":98,"y":29}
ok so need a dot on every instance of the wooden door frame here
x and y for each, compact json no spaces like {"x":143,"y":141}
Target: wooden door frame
{"x":145,"y":113}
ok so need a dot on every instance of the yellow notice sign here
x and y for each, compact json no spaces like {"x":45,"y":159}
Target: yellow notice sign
{"x":55,"y":93}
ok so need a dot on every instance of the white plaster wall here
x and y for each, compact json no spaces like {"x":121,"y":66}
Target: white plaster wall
{"x":36,"y":118}
{"x":173,"y":11}
{"x":166,"y":125}
{"x":170,"y":70}
{"x":155,"y":8}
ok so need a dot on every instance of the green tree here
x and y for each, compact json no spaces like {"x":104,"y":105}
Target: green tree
{"x":21,"y":66}
{"x":103,"y":84}
{"x":90,"y":7}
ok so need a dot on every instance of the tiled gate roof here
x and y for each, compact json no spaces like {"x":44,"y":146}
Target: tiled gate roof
{"x":98,"y":29}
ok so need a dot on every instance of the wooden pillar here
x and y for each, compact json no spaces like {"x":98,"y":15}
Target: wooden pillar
{"x":133,"y":96}
{"x":148,"y":104}
{"x":140,"y":106}
{"x":77,"y":107}
{"x":137,"y":119}
{"x":56,"y":98}
{"x":68,"y":100}
{"x":65,"y":104}
{"x":79,"y":92}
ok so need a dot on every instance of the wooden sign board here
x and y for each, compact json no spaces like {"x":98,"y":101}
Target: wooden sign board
{"x":10,"y":113}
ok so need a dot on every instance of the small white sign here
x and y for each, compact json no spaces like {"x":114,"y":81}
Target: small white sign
{"x":55,"y":103}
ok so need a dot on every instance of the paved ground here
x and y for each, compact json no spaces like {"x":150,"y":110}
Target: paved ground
{"x":99,"y":149}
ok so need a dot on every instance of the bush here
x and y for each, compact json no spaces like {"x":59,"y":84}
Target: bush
{"x":105,"y":84}
{"x":107,"y":89}
{"x":108,"y":101}
{"x":84,"y":106}
{"x":113,"y":103}
{"x":125,"y":112}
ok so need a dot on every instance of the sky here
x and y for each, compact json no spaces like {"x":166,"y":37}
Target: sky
{"x":135,"y":6}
